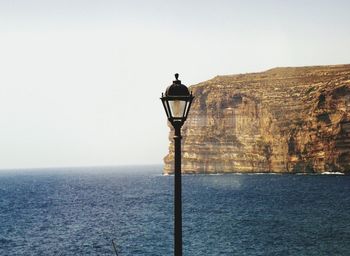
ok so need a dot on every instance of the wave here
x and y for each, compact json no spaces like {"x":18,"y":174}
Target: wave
{"x":332,"y":173}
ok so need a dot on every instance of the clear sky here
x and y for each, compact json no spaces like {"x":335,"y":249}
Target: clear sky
{"x":80,"y":80}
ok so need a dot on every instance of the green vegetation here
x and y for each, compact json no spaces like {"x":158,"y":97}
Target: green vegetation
{"x":311,"y":89}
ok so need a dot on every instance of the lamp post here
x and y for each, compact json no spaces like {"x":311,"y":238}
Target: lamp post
{"x":177,"y":102}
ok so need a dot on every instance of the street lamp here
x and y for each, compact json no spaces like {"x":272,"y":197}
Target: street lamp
{"x":177,"y":102}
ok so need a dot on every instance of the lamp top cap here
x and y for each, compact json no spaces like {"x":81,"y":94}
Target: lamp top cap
{"x":177,"y":89}
{"x":177,"y":79}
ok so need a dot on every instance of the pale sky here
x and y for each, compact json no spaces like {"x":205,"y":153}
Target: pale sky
{"x":80,"y":81}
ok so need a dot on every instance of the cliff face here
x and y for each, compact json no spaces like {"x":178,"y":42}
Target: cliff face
{"x":281,"y":120}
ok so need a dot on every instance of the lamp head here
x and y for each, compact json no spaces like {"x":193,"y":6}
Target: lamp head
{"x":177,"y":102}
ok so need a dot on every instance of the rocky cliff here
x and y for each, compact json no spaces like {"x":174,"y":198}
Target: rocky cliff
{"x":281,"y":120}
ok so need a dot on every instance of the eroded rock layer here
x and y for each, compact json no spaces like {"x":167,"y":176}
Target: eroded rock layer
{"x":281,"y":120}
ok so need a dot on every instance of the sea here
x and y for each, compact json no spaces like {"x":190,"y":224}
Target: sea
{"x":83,"y":211}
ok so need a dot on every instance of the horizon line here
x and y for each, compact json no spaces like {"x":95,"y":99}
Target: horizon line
{"x":77,"y":167}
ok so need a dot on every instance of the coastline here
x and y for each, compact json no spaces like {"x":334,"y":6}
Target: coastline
{"x":259,"y":173}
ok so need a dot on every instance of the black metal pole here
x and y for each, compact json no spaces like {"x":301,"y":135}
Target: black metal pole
{"x":177,"y":193}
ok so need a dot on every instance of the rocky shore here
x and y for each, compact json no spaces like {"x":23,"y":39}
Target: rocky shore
{"x":291,"y":120}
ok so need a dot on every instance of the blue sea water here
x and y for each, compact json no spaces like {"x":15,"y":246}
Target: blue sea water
{"x":80,"y":211}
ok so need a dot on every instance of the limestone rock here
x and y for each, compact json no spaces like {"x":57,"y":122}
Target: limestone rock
{"x":282,"y":120}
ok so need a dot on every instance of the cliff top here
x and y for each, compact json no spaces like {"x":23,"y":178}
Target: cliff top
{"x":278,"y":73}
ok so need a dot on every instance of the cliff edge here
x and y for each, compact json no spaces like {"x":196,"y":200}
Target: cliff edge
{"x":281,"y":120}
